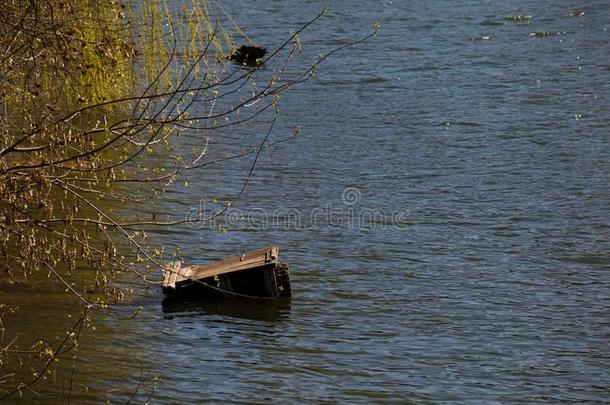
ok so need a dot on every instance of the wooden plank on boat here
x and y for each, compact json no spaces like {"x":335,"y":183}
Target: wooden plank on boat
{"x":254,"y":274}
{"x":173,"y":271}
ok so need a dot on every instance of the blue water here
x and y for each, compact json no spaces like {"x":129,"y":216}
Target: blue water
{"x":475,"y":145}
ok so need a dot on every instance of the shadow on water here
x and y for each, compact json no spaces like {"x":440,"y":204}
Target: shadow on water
{"x":269,"y":311}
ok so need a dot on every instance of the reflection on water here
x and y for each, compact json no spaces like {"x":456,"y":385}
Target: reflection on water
{"x":269,"y":311}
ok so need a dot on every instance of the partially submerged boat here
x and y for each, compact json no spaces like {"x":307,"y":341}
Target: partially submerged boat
{"x":256,"y":274}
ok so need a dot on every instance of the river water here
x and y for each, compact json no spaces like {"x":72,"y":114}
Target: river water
{"x":452,"y":231}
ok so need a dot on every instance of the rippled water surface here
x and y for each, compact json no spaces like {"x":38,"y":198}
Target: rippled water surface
{"x":485,"y":137}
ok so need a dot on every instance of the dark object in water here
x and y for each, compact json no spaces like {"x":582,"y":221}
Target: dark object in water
{"x":255,"y":274}
{"x":248,"y":55}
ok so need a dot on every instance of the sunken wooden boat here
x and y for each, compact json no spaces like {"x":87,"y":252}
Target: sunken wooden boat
{"x":257,"y":274}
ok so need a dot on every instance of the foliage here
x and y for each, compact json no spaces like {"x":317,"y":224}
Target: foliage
{"x":93,"y":95}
